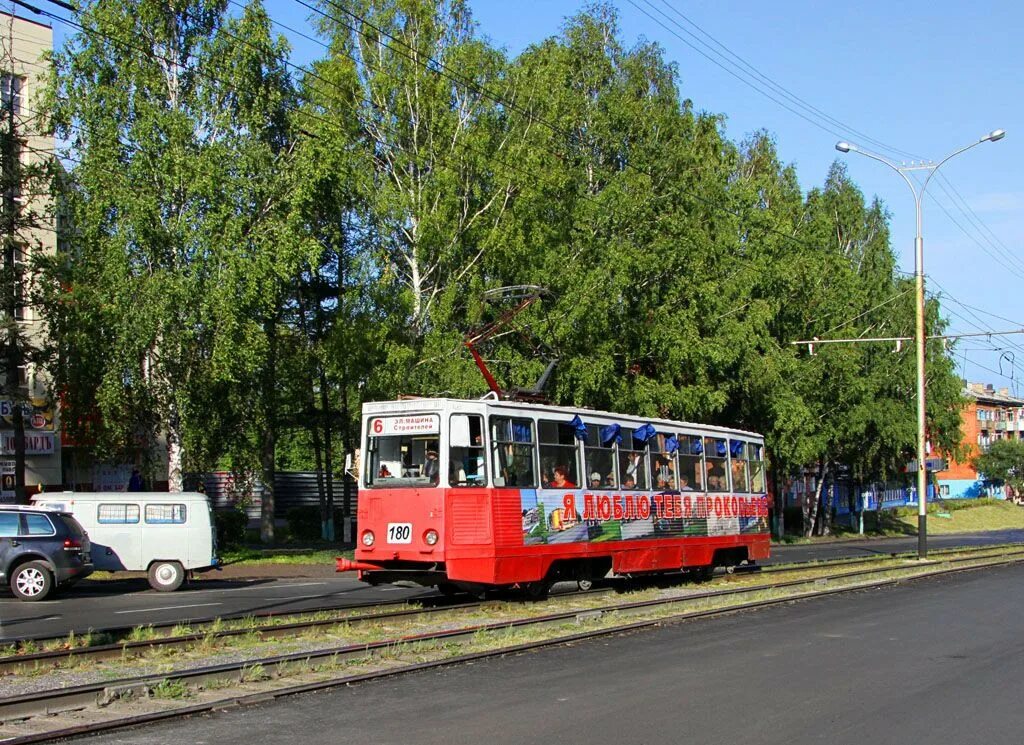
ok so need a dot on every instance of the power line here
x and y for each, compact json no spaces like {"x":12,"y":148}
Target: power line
{"x":460,"y":80}
{"x":972,"y":217}
{"x":1013,"y":265}
{"x":747,"y":68}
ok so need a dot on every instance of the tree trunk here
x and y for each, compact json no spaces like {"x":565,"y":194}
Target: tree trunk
{"x":21,"y":495}
{"x":268,"y":442}
{"x":174,"y":452}
{"x":267,"y":471}
{"x":826,"y":513}
{"x":325,"y":405}
{"x":346,"y":479}
{"x":812,"y":516}
{"x":315,"y":432}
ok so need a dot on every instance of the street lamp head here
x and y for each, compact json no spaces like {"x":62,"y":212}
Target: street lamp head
{"x":844,"y":147}
{"x":995,"y":135}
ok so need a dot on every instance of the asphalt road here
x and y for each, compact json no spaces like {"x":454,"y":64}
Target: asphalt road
{"x":119,"y":603}
{"x":885,"y":546}
{"x":936,"y":661}
{"x":103,"y":605}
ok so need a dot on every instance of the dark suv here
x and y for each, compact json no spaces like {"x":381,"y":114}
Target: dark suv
{"x":41,"y":550}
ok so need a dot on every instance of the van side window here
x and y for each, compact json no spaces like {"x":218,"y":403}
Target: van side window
{"x":38,"y":525}
{"x":117,"y":514}
{"x":165,"y":513}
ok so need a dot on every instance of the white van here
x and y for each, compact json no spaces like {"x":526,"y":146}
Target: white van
{"x":164,"y":534}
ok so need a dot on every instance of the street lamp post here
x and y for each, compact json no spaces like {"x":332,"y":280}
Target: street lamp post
{"x":919,"y":332}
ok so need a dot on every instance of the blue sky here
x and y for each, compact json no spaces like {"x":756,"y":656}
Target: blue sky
{"x":921,"y":77}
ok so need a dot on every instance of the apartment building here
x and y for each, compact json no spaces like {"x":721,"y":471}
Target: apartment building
{"x":991,"y":414}
{"x":22,"y":73}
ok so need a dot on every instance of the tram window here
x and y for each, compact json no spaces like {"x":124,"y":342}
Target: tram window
{"x":738,"y":461}
{"x":558,"y":453}
{"x":599,"y":460}
{"x":512,"y":444}
{"x":756,"y":463}
{"x":663,"y":466}
{"x":691,"y":463}
{"x":716,"y":460}
{"x":467,"y":465}
{"x":403,"y":461}
{"x":632,"y":462}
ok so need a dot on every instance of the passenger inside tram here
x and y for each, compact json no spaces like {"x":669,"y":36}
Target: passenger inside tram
{"x":561,"y":479}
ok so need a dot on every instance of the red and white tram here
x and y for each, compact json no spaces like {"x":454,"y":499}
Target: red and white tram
{"x":482,"y":494}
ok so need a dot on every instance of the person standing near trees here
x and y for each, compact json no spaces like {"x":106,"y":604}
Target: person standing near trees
{"x":135,"y":481}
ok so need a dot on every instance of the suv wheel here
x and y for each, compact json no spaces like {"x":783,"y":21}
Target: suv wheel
{"x":31,"y":581}
{"x":166,"y":576}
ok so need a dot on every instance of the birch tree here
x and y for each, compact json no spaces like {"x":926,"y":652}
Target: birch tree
{"x":174,"y":116}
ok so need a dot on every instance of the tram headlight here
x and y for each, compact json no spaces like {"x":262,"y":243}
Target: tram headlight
{"x":430,"y":537}
{"x":367,"y":537}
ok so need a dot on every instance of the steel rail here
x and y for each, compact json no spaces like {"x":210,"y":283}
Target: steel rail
{"x":83,"y":696}
{"x":11,"y":664}
{"x":120,"y":634}
{"x":803,"y":566}
{"x":19,"y":662}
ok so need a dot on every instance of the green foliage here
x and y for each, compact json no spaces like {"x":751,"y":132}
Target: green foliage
{"x":230,"y":525}
{"x":304,"y":523}
{"x":1003,"y":463}
{"x":255,"y":256}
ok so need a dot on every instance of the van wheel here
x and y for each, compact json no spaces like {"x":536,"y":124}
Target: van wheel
{"x":166,"y":576}
{"x":32,"y":581}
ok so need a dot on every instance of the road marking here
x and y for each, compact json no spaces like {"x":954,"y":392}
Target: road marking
{"x":275,"y":587}
{"x":257,"y":585}
{"x":166,"y":607}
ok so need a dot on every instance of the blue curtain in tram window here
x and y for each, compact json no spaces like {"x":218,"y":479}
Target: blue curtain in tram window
{"x":579,"y":427}
{"x":671,"y":444}
{"x":521,"y":432}
{"x":720,"y":448}
{"x":696,"y":446}
{"x":644,"y":433}
{"x":735,"y":448}
{"x":611,"y":434}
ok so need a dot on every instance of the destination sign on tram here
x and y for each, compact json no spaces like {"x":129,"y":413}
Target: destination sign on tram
{"x":423,"y":424}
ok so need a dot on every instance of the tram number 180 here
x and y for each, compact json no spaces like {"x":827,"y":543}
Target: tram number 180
{"x":399,"y":532}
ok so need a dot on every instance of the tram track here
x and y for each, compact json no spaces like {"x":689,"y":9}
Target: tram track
{"x":91,"y":695}
{"x":275,"y":625}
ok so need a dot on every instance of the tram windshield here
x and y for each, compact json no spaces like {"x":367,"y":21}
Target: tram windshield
{"x":403,"y":460}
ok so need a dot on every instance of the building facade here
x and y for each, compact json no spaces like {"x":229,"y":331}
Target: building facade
{"x":991,"y":414}
{"x":23,"y":72}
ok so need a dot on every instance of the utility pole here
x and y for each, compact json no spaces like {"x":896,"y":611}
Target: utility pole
{"x":931,"y":169}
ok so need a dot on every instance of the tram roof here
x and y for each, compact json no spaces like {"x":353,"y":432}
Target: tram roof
{"x":440,"y":404}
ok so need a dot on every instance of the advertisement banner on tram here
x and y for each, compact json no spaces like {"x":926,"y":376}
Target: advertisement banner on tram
{"x":560,"y":516}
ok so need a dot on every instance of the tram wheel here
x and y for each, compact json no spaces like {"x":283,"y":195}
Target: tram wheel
{"x":448,"y":589}
{"x":585,"y":584}
{"x":537,"y":590}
